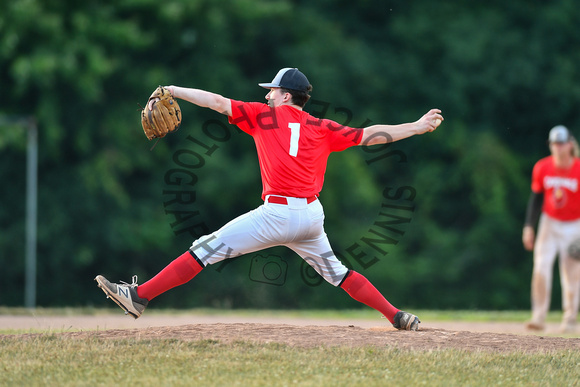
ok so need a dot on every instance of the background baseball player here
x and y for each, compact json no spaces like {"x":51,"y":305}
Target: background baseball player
{"x":556,"y":196}
{"x":293,"y":148}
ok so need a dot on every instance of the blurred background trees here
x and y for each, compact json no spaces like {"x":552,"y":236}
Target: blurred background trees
{"x":434,"y":221}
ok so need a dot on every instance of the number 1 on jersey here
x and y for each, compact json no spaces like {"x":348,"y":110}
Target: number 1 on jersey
{"x":294,"y":137}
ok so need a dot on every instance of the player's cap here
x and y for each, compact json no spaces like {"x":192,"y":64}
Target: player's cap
{"x":289,"y":78}
{"x":559,"y":133}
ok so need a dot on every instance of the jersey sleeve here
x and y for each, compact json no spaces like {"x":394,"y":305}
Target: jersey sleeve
{"x":341,"y":137}
{"x":537,"y":177}
{"x":244,"y":115}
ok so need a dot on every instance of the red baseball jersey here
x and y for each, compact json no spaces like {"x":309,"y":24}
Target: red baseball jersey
{"x":560,"y":188}
{"x":293,"y":146}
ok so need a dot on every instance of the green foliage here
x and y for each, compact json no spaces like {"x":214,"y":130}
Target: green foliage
{"x":503,"y":74}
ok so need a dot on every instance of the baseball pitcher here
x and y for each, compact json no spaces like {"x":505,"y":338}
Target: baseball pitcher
{"x":293,"y":148}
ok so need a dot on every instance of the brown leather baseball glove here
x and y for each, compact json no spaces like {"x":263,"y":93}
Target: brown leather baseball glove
{"x":161,"y":115}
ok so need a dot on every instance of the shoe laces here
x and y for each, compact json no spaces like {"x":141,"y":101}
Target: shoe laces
{"x":133,"y":283}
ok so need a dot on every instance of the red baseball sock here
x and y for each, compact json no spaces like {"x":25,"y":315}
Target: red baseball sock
{"x":359,"y":288}
{"x":178,"y":272}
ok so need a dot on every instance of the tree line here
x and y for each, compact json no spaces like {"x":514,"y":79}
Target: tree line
{"x":434,"y":221}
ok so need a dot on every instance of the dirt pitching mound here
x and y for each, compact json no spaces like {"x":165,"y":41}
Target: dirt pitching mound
{"x":297,"y":331}
{"x":309,"y":336}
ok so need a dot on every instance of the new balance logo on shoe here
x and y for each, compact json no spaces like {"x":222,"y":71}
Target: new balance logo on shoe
{"x":125,"y":295}
{"x":123,"y":291}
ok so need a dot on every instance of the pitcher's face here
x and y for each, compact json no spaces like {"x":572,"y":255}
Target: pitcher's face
{"x":277,"y":97}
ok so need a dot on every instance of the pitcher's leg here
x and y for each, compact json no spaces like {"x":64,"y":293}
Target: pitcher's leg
{"x":237,"y":237}
{"x":361,"y":289}
{"x":178,"y":272}
{"x":188,"y":265}
{"x":319,"y":255}
{"x":253,"y":231}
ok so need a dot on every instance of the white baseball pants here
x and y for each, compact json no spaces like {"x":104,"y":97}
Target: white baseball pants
{"x":298,"y":225}
{"x":553,"y":239}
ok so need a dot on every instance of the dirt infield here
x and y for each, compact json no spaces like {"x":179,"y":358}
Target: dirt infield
{"x":301,"y":332}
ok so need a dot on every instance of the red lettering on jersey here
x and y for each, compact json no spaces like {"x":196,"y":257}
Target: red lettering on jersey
{"x":294,"y":146}
{"x":242,"y":118}
{"x":560,"y":187}
{"x":357,"y":135}
{"x":267,"y":120}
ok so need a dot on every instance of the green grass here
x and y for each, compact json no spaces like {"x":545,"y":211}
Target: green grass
{"x":49,"y":360}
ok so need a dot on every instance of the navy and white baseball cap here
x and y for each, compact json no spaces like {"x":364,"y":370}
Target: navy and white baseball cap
{"x":288,"y":78}
{"x":559,"y":133}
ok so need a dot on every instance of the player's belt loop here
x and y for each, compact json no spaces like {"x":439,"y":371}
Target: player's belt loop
{"x":282,"y":200}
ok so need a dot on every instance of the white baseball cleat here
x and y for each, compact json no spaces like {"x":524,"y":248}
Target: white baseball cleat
{"x":124,"y":295}
{"x":406,"y":321}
